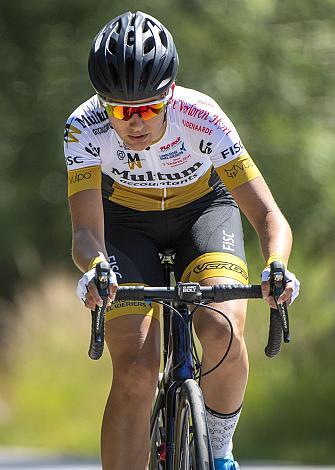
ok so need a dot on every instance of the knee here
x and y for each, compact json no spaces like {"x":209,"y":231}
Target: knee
{"x":136,"y":380}
{"x":215,"y":334}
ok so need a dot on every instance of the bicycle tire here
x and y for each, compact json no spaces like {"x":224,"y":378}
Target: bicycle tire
{"x":155,"y":462}
{"x":157,"y":437}
{"x":192,"y":441}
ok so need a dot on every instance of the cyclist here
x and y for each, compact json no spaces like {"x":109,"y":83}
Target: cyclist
{"x":152,"y":165}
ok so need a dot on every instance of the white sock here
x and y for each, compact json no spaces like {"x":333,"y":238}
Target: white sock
{"x":221,"y":429}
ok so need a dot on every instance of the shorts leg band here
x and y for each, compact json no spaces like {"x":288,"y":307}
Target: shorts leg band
{"x":217,"y":264}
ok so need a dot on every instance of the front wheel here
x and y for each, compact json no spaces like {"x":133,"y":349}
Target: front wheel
{"x":192,"y":442}
{"x":157,"y":432}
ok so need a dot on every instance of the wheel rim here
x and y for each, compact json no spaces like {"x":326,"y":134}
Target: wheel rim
{"x":186,"y":450}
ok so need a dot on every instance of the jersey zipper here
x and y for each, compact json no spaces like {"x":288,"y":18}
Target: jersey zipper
{"x":163,"y":199}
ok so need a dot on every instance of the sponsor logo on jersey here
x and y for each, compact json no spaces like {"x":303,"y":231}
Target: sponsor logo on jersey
{"x":174,"y":153}
{"x":197,"y":127}
{"x":190,"y":109}
{"x":157,"y":178}
{"x":70,"y":132}
{"x":232,"y":150}
{"x":170,"y":145}
{"x":176,"y":161}
{"x":72,"y":160}
{"x":134,"y":160}
{"x":80,"y":176}
{"x":96,"y":117}
{"x":210,"y":104}
{"x":205,"y":148}
{"x":242,"y":165}
{"x":121,"y":155}
{"x":193,"y":111}
{"x":103,"y":129}
{"x":220,"y":124}
{"x":95,"y":151}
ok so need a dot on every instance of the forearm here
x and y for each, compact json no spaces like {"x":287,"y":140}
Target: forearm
{"x":85,"y":247}
{"x":275,"y":235}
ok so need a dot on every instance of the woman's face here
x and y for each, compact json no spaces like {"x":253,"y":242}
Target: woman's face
{"x":137,"y":133}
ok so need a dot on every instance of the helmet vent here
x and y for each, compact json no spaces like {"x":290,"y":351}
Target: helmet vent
{"x":131,"y":38}
{"x":145,"y":75}
{"x":112,"y":47}
{"x":148,"y":45}
{"x":129,"y":69}
{"x":146,"y":27}
{"x":166,"y":77}
{"x":118,"y":27}
{"x":163,"y":37}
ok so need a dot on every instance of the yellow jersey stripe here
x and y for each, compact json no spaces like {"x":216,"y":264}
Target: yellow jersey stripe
{"x":84,"y":178}
{"x":153,"y":199}
{"x":238,"y":171}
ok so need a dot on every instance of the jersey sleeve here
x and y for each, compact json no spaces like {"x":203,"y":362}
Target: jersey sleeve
{"x":82,"y":157}
{"x":229,"y":156}
{"x":212,"y":134}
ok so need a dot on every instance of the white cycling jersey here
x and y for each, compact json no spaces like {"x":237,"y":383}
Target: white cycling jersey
{"x":199,"y":148}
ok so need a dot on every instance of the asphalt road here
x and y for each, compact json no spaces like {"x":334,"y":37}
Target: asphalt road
{"x":23,"y":459}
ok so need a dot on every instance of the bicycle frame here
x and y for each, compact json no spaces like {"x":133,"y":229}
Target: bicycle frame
{"x":178,"y":360}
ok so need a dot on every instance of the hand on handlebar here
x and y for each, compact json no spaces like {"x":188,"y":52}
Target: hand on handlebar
{"x":291,"y":290}
{"x":88,"y":293}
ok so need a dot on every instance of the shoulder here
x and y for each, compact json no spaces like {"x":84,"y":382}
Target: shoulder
{"x":83,"y":139}
{"x":199,"y":113}
{"x":89,"y":118}
{"x":193,"y":103}
{"x":185,"y":96}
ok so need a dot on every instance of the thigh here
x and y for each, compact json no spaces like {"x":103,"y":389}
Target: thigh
{"x":213,"y":246}
{"x":134,"y":258}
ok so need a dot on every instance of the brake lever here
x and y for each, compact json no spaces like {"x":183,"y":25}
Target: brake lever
{"x":102,"y":273}
{"x":277,"y":287}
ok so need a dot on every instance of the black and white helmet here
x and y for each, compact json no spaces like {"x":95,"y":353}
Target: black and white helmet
{"x":133,"y":58}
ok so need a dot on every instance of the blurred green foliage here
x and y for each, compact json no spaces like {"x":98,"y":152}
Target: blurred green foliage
{"x":270,"y":64}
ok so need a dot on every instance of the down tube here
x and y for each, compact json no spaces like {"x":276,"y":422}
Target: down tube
{"x":182,"y":361}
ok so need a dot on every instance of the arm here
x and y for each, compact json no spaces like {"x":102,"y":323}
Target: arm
{"x":87,"y":227}
{"x":88,"y":245}
{"x":256,"y":202}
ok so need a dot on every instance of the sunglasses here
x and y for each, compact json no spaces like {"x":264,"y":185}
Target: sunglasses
{"x":124,"y":112}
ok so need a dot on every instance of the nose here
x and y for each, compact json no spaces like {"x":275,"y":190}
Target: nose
{"x":136,"y":122}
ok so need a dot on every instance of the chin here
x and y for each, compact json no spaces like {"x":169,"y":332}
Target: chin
{"x":138,"y":146}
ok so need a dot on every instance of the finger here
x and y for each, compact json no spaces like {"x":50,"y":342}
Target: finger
{"x":112,"y":291}
{"x":89,"y":302}
{"x":287,"y":294}
{"x":93,"y":291}
{"x":271,"y":301}
{"x":266,"y":294}
{"x":265,"y":289}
